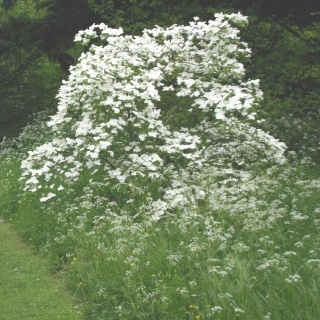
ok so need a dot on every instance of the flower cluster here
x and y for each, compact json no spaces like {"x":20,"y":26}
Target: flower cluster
{"x":134,"y":105}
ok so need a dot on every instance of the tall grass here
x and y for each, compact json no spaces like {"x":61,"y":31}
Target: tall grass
{"x":221,"y":244}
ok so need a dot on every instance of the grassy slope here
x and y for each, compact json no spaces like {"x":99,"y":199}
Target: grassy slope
{"x":27,"y":289}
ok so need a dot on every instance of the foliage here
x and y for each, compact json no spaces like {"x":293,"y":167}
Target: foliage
{"x":301,"y":134}
{"x":12,"y":151}
{"x":288,"y":68}
{"x":24,"y":71}
{"x":24,"y":76}
{"x":50,"y":25}
{"x":299,"y":13}
{"x":35,"y":38}
{"x":134,"y":16}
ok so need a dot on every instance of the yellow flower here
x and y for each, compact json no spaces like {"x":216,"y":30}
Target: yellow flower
{"x":198,"y":317}
{"x":153,"y":275}
{"x":192,"y":306}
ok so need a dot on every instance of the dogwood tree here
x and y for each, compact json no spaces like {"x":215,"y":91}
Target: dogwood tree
{"x":134,"y":105}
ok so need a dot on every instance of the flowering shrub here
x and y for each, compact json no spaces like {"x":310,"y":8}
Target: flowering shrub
{"x":169,"y":98}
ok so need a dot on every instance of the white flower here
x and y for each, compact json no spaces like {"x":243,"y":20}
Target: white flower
{"x":47,"y":197}
{"x":111,"y":115}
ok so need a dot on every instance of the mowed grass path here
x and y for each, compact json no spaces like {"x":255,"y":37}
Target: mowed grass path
{"x":27,"y":289}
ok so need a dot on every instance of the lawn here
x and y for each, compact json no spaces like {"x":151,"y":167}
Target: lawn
{"x":28,"y":290}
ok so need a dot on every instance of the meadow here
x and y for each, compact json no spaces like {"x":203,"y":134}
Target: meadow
{"x":242,"y":245}
{"x":231,"y":232}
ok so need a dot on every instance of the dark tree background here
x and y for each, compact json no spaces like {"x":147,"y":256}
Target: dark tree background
{"x":35,"y":39}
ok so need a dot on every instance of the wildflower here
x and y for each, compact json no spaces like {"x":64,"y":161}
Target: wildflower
{"x":238,"y":311}
{"x":198,"y":317}
{"x":49,"y":196}
{"x":215,"y":309}
{"x":293,"y":278}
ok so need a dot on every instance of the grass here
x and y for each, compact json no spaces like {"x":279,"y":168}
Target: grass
{"x":252,"y":254}
{"x":224,"y":244}
{"x":27,"y":288}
